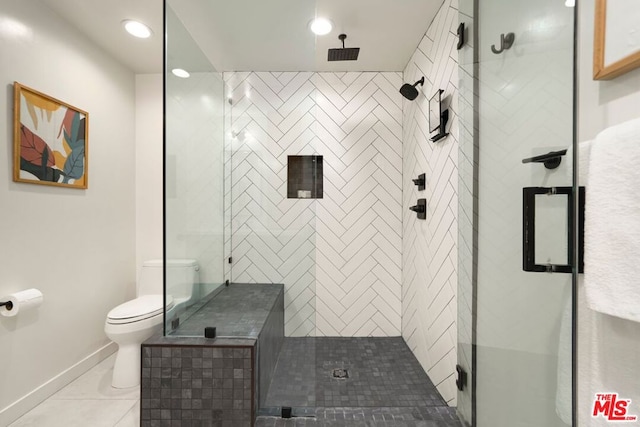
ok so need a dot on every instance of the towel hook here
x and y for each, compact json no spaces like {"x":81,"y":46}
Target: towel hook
{"x":506,"y":41}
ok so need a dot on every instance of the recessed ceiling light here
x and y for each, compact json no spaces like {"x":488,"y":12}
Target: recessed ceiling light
{"x":137,"y":29}
{"x":179,"y":72}
{"x":570,"y":3}
{"x":321,"y":26}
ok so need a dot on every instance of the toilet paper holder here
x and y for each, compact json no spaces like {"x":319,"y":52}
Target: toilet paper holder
{"x":9,"y":304}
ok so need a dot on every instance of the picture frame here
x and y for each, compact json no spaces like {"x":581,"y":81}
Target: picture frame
{"x":50,"y":140}
{"x":616,"y":48}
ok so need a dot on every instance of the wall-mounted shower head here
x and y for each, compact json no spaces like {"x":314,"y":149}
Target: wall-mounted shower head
{"x":343,"y":53}
{"x":409,"y":91}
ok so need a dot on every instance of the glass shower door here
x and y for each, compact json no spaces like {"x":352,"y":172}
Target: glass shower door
{"x":518,"y":85}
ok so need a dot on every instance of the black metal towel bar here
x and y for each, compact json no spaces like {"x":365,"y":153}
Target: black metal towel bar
{"x":551,"y":160}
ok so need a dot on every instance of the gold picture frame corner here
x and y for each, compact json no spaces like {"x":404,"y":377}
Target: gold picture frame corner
{"x":602,"y":71}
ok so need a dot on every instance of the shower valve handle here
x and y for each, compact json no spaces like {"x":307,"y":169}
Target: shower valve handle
{"x":420,"y":182}
{"x":420,"y":208}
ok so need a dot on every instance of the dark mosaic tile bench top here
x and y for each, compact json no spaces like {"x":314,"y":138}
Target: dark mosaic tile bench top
{"x":238,"y":310}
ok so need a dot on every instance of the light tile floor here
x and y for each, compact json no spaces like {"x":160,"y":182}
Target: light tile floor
{"x":88,"y":401}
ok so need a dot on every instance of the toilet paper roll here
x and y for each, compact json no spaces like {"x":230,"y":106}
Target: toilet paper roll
{"x":23,"y":300}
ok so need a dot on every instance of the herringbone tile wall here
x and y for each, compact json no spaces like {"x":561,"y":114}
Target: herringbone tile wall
{"x":429,"y":284}
{"x":339,"y":257}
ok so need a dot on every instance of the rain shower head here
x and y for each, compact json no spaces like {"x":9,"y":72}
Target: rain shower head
{"x":343,"y":53}
{"x":409,"y":91}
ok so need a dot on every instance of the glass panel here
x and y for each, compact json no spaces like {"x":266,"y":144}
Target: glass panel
{"x":514,"y":105}
{"x":257,"y":237}
{"x":194,"y":143}
{"x":273,"y":236}
{"x":552,"y":229}
{"x":467,"y":198}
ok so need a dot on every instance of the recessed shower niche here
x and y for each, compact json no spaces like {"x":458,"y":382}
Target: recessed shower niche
{"x":304,"y":177}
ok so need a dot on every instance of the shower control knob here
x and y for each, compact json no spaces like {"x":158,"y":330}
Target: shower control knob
{"x":420,"y":209}
{"x":420,"y":182}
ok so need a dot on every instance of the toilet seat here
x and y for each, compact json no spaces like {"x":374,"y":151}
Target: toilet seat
{"x":141,"y":308}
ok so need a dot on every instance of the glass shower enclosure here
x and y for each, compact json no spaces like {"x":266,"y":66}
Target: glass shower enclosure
{"x":517,"y":222}
{"x":225,"y":193}
{"x":195,"y":159}
{"x":236,"y":201}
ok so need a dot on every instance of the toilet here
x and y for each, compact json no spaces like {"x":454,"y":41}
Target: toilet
{"x":133,"y":322}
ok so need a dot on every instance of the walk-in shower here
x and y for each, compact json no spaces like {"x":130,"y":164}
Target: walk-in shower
{"x":289,"y":178}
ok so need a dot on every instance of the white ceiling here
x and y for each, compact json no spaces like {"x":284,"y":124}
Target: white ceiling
{"x":101,"y":21}
{"x":255,"y":35}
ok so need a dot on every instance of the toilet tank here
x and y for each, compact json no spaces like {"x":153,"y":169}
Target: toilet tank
{"x":182,"y":278}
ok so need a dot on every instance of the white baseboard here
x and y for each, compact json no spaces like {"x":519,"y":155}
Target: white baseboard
{"x":40,"y":394}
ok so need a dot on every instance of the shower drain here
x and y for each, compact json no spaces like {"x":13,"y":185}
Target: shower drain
{"x":340,"y":373}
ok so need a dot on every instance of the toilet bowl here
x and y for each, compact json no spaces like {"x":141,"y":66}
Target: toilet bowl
{"x":135,"y":321}
{"x":129,"y":325}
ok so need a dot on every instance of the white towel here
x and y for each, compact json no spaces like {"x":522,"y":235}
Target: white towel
{"x":612,"y":223}
{"x":584,"y":148}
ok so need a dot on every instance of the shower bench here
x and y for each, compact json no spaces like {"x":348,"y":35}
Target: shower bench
{"x":222,"y":380}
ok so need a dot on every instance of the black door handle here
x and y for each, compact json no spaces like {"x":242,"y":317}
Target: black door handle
{"x":551,"y":160}
{"x":529,"y":229}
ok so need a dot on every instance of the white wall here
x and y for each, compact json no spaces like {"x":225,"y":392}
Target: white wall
{"x":429,"y":257}
{"x":339,"y":257}
{"x":148,"y":168}
{"x":77,"y":246}
{"x":608,"y":346}
{"x":602,"y":103}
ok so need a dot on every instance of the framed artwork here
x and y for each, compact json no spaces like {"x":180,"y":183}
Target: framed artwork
{"x":50,"y":140}
{"x":616,"y":46}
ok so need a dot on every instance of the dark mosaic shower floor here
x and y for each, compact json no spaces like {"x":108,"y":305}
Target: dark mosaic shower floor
{"x":386,"y":386}
{"x":382,"y":373}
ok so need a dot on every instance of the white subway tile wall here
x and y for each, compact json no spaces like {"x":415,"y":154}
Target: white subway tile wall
{"x":429,"y":279}
{"x":339,"y":257}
